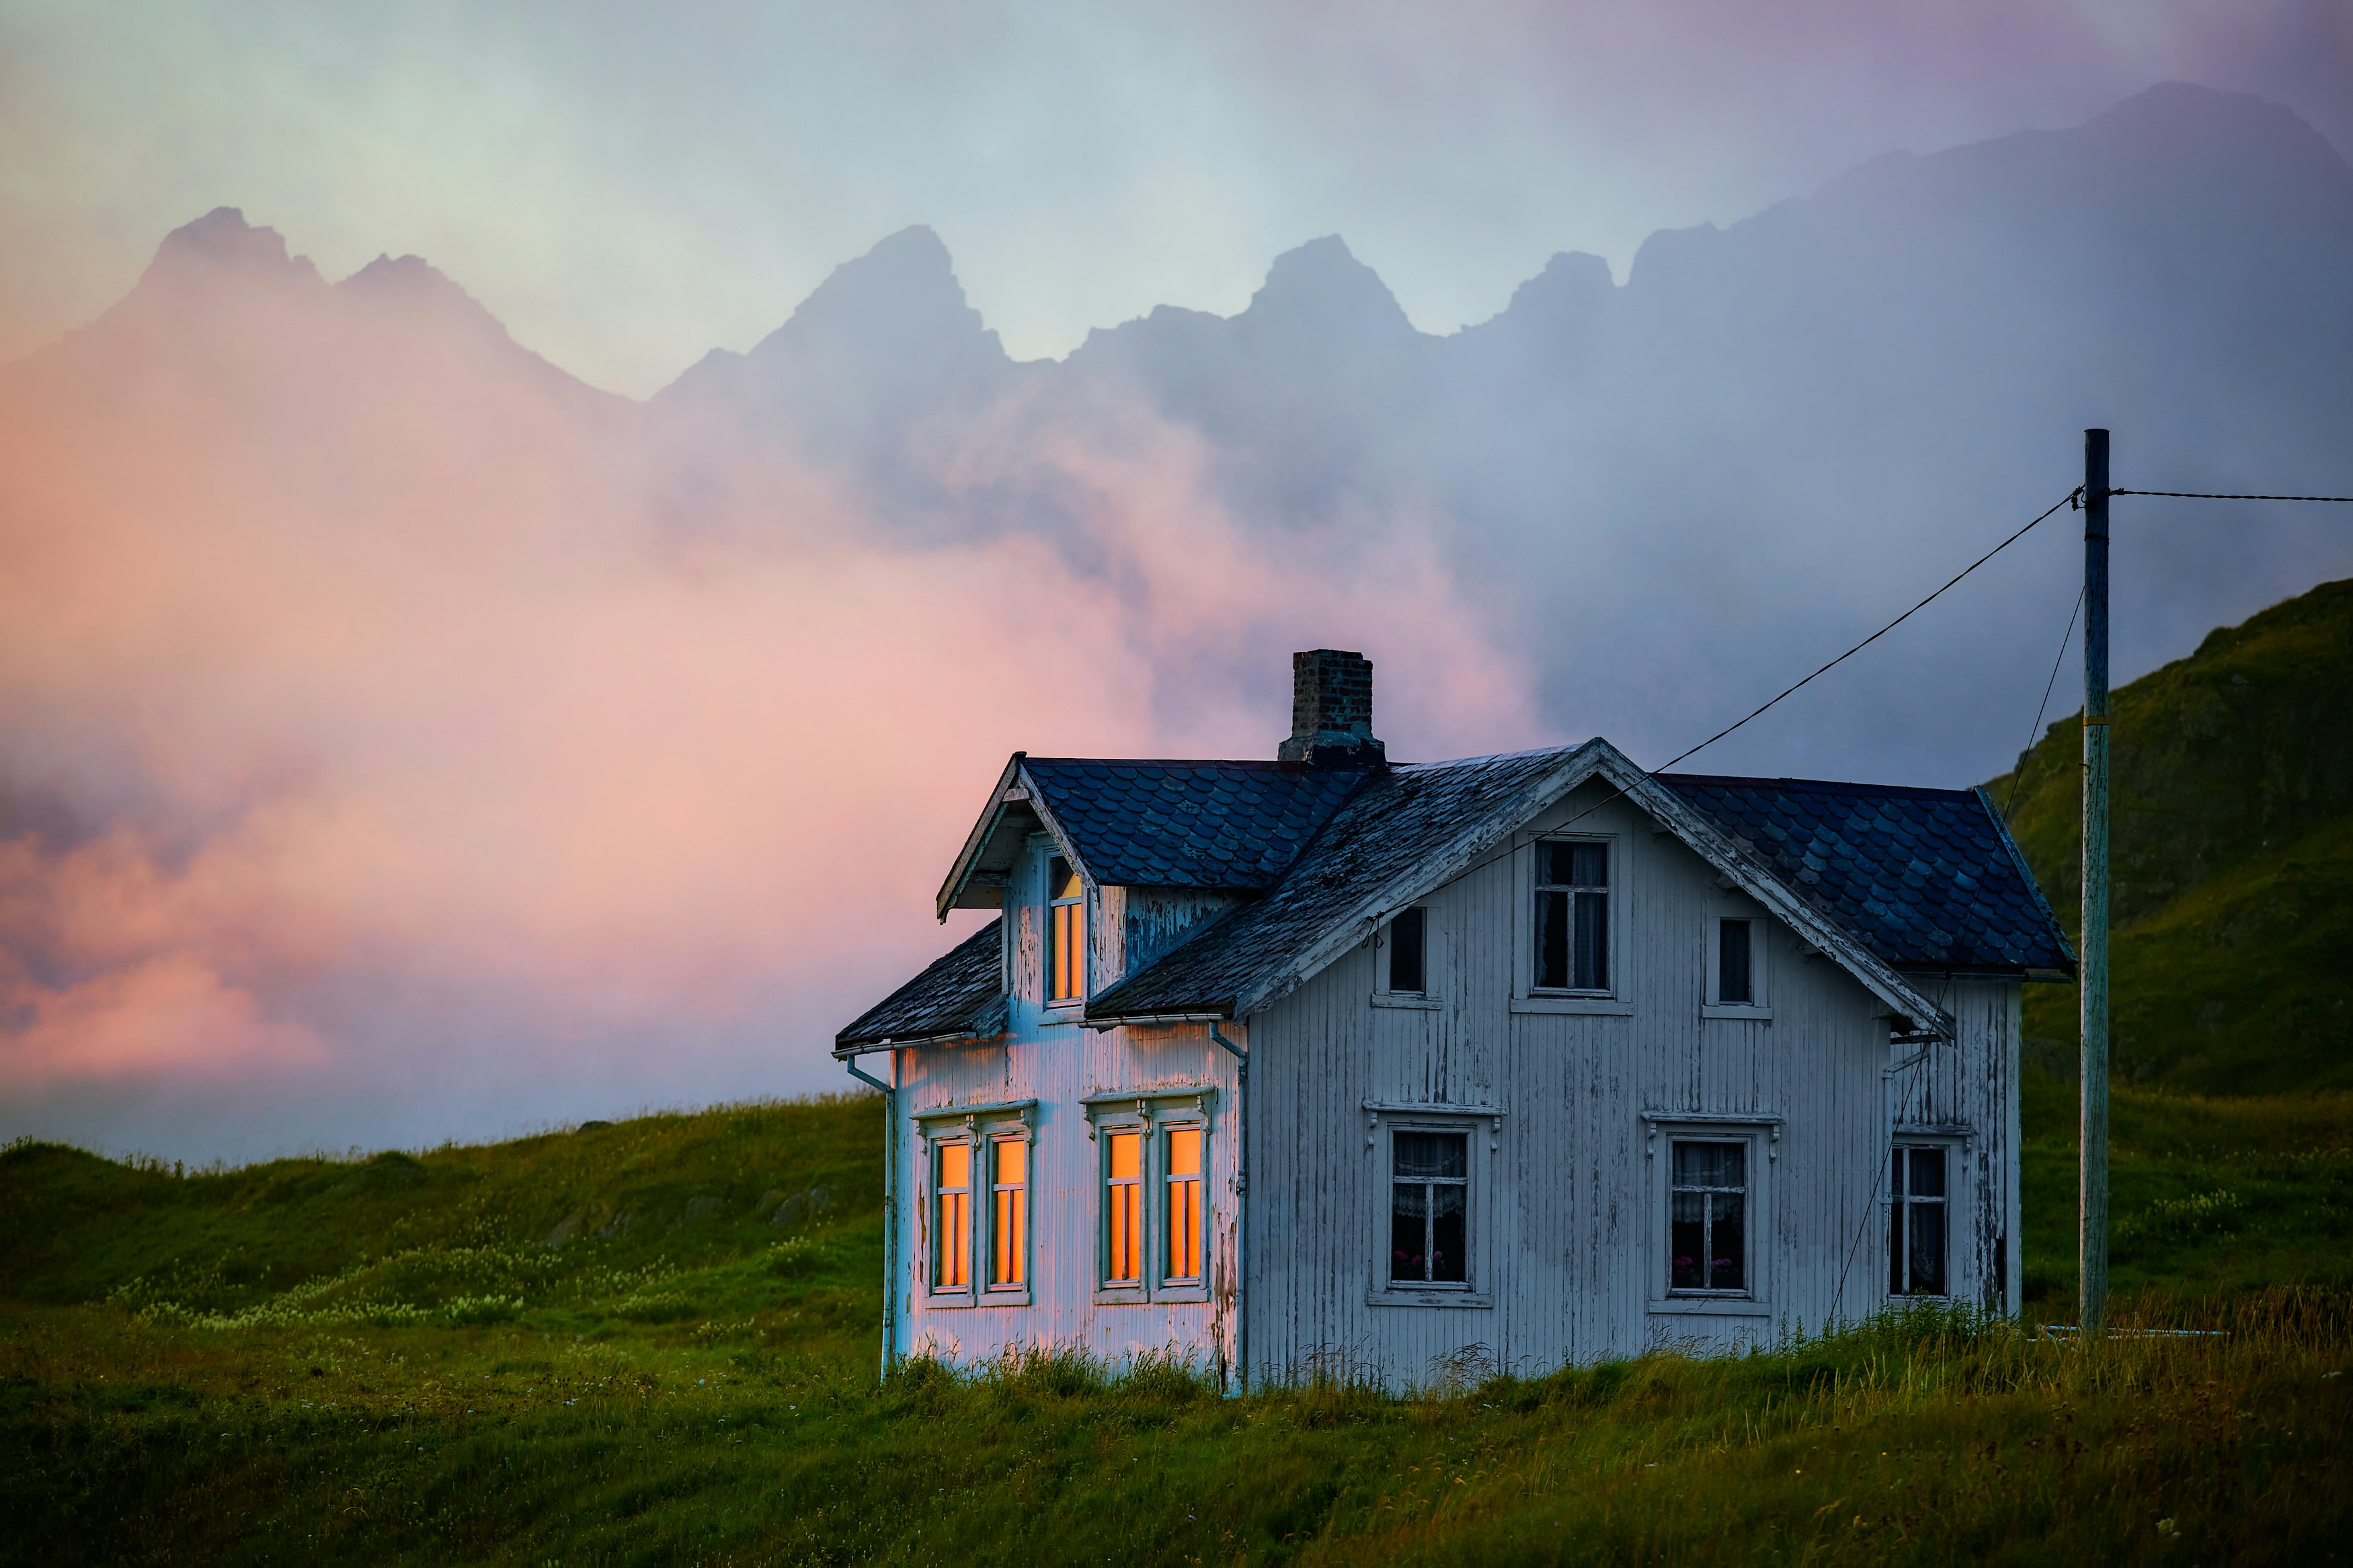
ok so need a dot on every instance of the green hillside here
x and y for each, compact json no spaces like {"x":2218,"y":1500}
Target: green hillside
{"x":657,"y":1219}
{"x":654,"y":1342}
{"x":2232,"y":860}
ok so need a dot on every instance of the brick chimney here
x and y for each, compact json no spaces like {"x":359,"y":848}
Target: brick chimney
{"x":1332,"y":711}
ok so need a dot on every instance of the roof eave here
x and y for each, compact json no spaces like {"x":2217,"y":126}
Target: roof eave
{"x":1045,"y":814}
{"x":960,"y":871}
{"x":2026,"y":875}
{"x":843,"y":1050}
{"x":1761,"y":883}
{"x":1100,"y":1021}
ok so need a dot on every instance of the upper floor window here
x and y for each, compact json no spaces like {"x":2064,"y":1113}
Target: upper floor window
{"x":1917,"y":1223}
{"x":1066,"y":932}
{"x":1409,"y":951}
{"x":1735,"y":969}
{"x":1572,"y":915}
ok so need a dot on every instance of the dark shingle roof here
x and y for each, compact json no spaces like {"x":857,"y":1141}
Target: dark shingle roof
{"x":1926,"y":877}
{"x":1395,"y":820}
{"x":1188,"y":824}
{"x":959,"y":993}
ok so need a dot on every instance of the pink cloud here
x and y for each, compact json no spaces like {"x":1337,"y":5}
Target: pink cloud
{"x":166,"y":1017}
{"x":349,"y":663}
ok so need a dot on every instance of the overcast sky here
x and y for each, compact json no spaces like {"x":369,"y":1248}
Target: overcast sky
{"x":627,"y":187}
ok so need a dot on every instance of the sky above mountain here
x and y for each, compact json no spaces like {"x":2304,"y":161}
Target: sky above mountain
{"x":626,"y":187}
{"x":403,"y":737}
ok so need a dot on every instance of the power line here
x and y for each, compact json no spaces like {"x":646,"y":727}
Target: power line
{"x":1825,"y":670}
{"x":1653,"y":773}
{"x":2026,"y":757}
{"x":2204,"y":495}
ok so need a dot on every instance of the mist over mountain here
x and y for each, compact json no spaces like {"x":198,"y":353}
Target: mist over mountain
{"x":1766,"y":439}
{"x":395,"y":727}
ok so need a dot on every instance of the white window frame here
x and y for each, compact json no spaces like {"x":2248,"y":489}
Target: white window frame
{"x":1759,"y":1007}
{"x":1954,"y":1143}
{"x":982,"y":1127}
{"x":1159,"y":1201}
{"x":988,"y":1292}
{"x":1526,"y":998}
{"x":1060,"y":1009}
{"x":1427,"y":999}
{"x":1154,"y":1114}
{"x":1762,"y":1135}
{"x":1482,"y":1127}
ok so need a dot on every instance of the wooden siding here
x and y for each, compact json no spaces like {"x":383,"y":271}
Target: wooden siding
{"x":1137,"y":925}
{"x":1569,"y":1238}
{"x":1573,"y":1225}
{"x":1059,"y":1068}
{"x":1054,"y":1061}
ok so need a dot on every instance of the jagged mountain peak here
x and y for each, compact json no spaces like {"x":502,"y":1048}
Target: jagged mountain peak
{"x":902,"y":297}
{"x":412,"y":284}
{"x":221,"y":241}
{"x":1321,"y":286}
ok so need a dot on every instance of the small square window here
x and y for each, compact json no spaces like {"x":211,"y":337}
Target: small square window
{"x":1572,"y":916}
{"x":1917,"y":1222}
{"x":1409,"y":951}
{"x":1707,"y":1227}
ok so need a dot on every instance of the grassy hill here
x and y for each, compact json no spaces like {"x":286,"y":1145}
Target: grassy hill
{"x":2233,"y":834}
{"x":654,"y":1342}
{"x":649,"y":1220}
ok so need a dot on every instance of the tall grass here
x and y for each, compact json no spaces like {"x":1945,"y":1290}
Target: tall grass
{"x":283,"y":1365}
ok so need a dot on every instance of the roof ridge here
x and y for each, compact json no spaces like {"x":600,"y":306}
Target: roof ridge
{"x":1828,"y":787}
{"x":1498,"y":756}
{"x":1251,"y":763}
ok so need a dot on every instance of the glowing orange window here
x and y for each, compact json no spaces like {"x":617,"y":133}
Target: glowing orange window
{"x":1008,"y":1231}
{"x":1124,"y":1209}
{"x":952,"y":1259}
{"x":1184,"y":1205}
{"x":1066,"y":932}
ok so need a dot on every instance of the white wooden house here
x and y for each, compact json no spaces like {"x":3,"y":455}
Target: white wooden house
{"x":1329,"y":1062}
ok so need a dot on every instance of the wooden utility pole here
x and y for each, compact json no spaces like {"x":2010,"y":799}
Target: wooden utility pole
{"x":2092,"y":1210}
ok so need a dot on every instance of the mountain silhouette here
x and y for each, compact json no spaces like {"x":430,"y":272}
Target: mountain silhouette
{"x":886,"y":344}
{"x":1769,"y":433}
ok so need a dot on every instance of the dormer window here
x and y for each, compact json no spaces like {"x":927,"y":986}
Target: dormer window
{"x":1066,"y":933}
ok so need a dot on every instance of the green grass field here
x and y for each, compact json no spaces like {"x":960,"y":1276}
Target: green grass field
{"x":655,"y":1342}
